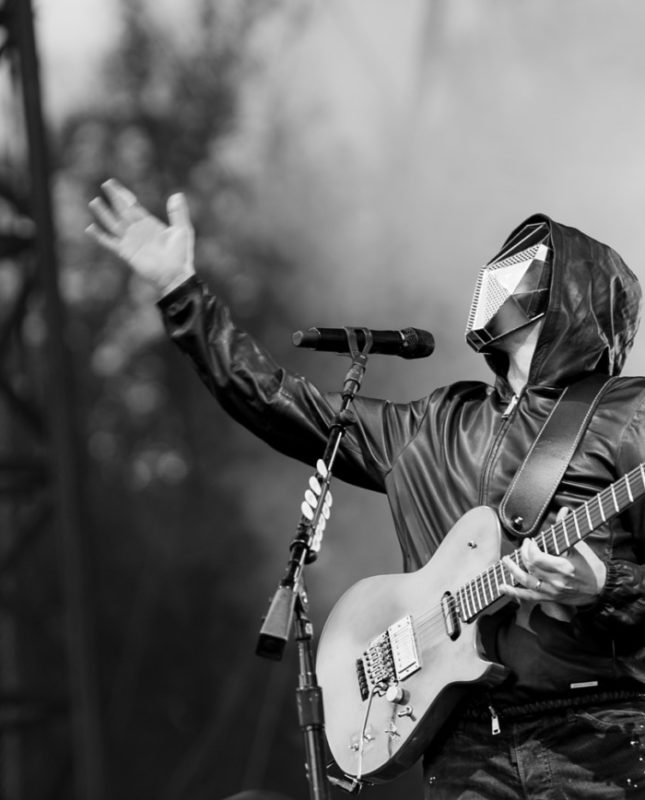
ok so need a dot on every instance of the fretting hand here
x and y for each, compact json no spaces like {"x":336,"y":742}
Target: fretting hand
{"x":160,"y":254}
{"x":574,"y":579}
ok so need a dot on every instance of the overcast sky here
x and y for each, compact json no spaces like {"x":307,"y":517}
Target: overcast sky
{"x":421,"y":122}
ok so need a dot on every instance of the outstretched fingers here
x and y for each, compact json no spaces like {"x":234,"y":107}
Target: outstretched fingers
{"x":105,"y":216}
{"x":104,"y":239}
{"x":117,"y":217}
{"x":121,"y":209}
{"x":121,"y":199}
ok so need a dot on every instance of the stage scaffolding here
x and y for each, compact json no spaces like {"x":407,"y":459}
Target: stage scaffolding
{"x":50,"y":731}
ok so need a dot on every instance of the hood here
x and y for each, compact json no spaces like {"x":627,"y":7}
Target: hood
{"x":592,"y":315}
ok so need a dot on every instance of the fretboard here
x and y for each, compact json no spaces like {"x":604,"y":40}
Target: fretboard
{"x":481,"y":592}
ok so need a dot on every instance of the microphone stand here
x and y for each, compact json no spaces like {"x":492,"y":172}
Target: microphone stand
{"x":289,"y":606}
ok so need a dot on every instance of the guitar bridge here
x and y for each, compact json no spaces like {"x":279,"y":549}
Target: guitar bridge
{"x":390,"y":658}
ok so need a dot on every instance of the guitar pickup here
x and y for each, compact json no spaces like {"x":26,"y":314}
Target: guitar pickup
{"x":390,"y":658}
{"x":404,"y":648}
{"x":450,"y":616}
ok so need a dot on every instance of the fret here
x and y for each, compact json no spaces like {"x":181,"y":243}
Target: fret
{"x":494,"y":588}
{"x":502,"y":573}
{"x":481,"y":585}
{"x":591,"y":525}
{"x":564,"y":530}
{"x":555,"y":541}
{"x":602,"y":510}
{"x":463,"y":603}
{"x":629,"y":489}
{"x":469,"y":586}
{"x":473,"y":597}
{"x":613,"y":497}
{"x":473,"y":594}
{"x":497,"y":580}
{"x":490,"y":586}
{"x":540,"y":541}
{"x":467,"y":606}
{"x":516,"y":558}
{"x":507,"y":578}
{"x":481,"y":591}
{"x":642,"y":475}
{"x":478,"y":603}
{"x":575,"y":520}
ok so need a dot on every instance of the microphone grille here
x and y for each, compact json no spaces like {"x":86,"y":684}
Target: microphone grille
{"x":417,"y":343}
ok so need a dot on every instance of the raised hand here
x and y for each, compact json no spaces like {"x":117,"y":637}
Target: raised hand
{"x":160,"y":254}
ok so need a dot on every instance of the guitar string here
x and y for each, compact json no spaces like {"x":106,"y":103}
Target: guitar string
{"x":620,"y":494}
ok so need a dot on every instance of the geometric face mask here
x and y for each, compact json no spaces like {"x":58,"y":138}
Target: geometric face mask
{"x":512,"y":290}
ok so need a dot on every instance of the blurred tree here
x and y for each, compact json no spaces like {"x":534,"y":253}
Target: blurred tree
{"x":182,"y":578}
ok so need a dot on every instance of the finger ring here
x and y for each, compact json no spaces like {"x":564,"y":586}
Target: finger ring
{"x":537,"y":585}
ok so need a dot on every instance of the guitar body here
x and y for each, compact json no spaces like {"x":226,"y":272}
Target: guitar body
{"x":395,"y":732}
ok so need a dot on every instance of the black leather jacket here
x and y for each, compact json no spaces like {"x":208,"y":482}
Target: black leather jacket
{"x":440,"y":456}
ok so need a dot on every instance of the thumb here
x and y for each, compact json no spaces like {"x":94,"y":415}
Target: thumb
{"x":177,"y":209}
{"x":562,"y":513}
{"x":594,"y":564}
{"x":585,"y":552}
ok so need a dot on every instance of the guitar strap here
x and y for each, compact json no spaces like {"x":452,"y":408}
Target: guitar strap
{"x":531,"y":490}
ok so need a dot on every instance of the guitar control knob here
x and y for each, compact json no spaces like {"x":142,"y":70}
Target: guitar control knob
{"x":394,"y":694}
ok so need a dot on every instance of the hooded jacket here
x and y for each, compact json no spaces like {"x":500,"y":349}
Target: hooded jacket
{"x":440,"y":456}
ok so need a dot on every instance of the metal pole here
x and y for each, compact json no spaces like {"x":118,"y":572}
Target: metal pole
{"x":65,"y":449}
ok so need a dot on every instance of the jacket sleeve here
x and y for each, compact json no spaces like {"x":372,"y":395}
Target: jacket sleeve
{"x":622,"y":603}
{"x":620,"y":609}
{"x":282,"y":408}
{"x":619,"y":615}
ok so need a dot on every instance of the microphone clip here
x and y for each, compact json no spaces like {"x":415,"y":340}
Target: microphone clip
{"x":356,"y":372}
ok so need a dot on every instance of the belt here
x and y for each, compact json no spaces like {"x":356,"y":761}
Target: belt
{"x":485,"y":708}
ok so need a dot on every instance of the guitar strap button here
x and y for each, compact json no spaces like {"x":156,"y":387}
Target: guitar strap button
{"x":405,"y":712}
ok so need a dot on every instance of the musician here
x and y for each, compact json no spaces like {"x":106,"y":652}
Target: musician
{"x":552,"y":306}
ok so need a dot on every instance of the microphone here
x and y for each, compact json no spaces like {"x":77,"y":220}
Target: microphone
{"x":407,"y":343}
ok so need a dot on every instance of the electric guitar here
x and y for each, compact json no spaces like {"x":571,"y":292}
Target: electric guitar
{"x":399,"y":651}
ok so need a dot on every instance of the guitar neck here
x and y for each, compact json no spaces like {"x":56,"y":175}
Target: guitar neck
{"x":481,"y":592}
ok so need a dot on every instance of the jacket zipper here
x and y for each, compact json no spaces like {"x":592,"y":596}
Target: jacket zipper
{"x":507,"y":415}
{"x":495,"y":727}
{"x":512,"y":403}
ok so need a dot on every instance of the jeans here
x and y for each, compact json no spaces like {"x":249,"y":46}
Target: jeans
{"x":591,"y":753}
